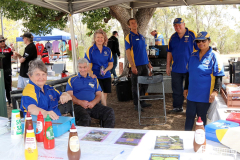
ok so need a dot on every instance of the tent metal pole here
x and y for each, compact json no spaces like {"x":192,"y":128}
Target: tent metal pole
{"x":131,"y":13}
{"x":74,"y":55}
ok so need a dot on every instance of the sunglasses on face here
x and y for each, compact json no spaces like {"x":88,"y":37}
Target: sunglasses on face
{"x":203,"y":41}
{"x":2,"y":41}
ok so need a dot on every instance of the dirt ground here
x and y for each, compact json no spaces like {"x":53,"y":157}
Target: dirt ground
{"x":127,"y":117}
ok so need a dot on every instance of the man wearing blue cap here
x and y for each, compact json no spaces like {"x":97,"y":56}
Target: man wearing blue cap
{"x":180,"y":48}
{"x":203,"y":81}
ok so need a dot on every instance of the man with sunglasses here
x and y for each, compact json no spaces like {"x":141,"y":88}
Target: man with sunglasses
{"x":180,"y":47}
{"x":30,"y":53}
{"x":204,"y":80}
{"x":7,"y":66}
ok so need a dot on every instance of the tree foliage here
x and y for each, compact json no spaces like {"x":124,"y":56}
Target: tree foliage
{"x":97,"y":19}
{"x":35,"y":19}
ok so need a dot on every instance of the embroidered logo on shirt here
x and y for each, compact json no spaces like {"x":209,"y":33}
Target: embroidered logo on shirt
{"x":51,"y":98}
{"x":91,"y":84}
{"x":105,"y":53}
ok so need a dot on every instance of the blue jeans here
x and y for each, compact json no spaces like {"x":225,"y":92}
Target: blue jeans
{"x":195,"y":108}
{"x":177,"y":88}
{"x":115,"y":60}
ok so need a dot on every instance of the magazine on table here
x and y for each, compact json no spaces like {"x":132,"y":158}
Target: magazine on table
{"x":132,"y":139}
{"x":96,"y":136}
{"x":155,"y":156}
{"x":169,"y":143}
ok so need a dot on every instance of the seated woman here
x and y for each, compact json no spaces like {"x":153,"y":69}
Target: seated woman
{"x":204,"y":79}
{"x":37,"y":96}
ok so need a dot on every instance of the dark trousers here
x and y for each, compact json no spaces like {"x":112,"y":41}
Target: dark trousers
{"x":115,"y":60}
{"x":83,"y":116}
{"x":177,"y":88}
{"x":8,"y":84}
{"x":195,"y":108}
{"x":142,"y":71}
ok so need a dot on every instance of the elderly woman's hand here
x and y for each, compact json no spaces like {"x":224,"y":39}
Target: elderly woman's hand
{"x":212,"y":96}
{"x":65,"y":97}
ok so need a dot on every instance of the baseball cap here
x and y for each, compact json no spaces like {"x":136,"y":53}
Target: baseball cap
{"x":203,"y":35}
{"x":27,"y":34}
{"x":178,"y":21}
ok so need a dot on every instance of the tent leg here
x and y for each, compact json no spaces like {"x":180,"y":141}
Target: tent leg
{"x":74,"y":55}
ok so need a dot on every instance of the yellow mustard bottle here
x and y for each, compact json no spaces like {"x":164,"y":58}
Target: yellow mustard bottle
{"x":31,"y":151}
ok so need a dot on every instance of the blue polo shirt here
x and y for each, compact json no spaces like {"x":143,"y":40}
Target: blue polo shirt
{"x":136,"y":44}
{"x":181,"y":50}
{"x":98,"y":59}
{"x":158,"y":37}
{"x":202,"y":75}
{"x":32,"y":94}
{"x":83,"y":88}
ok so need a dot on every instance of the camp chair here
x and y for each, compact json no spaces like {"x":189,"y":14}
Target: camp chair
{"x":67,"y":108}
{"x":151,"y":80}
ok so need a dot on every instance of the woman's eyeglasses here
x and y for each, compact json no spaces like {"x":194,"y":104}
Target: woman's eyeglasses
{"x":2,"y":41}
{"x":203,"y":41}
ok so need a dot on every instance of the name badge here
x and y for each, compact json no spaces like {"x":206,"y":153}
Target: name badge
{"x":137,"y":39}
{"x":187,"y":36}
{"x":91,"y":84}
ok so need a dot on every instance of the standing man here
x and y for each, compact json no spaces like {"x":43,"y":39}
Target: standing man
{"x":7,"y":66}
{"x":113,"y":44}
{"x":30,"y":53}
{"x":138,"y":59}
{"x":158,"y":38}
{"x":180,"y":47}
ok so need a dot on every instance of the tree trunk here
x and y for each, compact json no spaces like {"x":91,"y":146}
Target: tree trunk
{"x":142,"y":16}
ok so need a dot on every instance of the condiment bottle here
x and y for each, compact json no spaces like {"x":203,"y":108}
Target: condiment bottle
{"x":74,"y":152}
{"x":16,"y":127}
{"x":48,"y":139}
{"x":40,"y":127}
{"x":28,"y":120}
{"x":199,"y":137}
{"x":31,"y":151}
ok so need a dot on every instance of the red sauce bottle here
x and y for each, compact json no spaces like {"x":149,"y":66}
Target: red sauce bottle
{"x":40,"y":127}
{"x":199,"y":136}
{"x":48,"y":139}
{"x":28,"y":121}
{"x":74,"y":151}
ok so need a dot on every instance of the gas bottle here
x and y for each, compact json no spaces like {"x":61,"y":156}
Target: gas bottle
{"x":48,"y":140}
{"x":199,"y":136}
{"x":40,"y":127}
{"x":31,"y":151}
{"x":74,"y":151}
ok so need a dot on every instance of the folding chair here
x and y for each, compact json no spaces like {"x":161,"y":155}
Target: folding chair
{"x":67,"y":108}
{"x":151,"y":80}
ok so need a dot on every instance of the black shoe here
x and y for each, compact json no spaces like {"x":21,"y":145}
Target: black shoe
{"x":136,"y":108}
{"x":176,"y":110}
{"x":144,"y":105}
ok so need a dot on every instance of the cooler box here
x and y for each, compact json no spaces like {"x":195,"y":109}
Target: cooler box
{"x":60,"y":126}
{"x":211,"y":128}
{"x":234,"y":117}
{"x":124,"y":90}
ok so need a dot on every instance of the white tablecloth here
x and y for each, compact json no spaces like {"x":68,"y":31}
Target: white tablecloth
{"x":11,"y":149}
{"x":218,"y":108}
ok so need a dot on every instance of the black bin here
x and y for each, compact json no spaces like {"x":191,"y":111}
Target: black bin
{"x":124,"y":90}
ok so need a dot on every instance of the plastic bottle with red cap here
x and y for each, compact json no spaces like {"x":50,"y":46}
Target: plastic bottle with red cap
{"x":199,"y":136}
{"x":40,"y":127}
{"x":48,"y":140}
{"x":74,"y":151}
{"x":28,"y":120}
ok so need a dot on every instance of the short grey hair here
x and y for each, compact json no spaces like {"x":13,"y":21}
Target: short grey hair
{"x":82,"y":61}
{"x":36,"y":64}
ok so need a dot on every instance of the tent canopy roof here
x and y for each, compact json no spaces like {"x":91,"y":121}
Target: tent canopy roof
{"x":56,"y":35}
{"x":77,"y":6}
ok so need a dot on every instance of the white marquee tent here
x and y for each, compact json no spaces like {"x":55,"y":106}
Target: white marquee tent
{"x":76,"y":6}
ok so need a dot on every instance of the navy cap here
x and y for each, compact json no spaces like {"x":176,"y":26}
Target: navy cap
{"x":203,"y":35}
{"x":178,"y":21}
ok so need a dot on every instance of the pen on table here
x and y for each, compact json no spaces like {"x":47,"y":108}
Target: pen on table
{"x":118,"y":155}
{"x":172,"y":138}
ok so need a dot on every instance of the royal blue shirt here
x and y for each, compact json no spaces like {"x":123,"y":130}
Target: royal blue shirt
{"x":202,"y":75}
{"x":98,"y":59}
{"x":32,"y":94}
{"x":181,"y":50}
{"x":136,"y":44}
{"x":159,"y":37}
{"x":83,"y":88}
